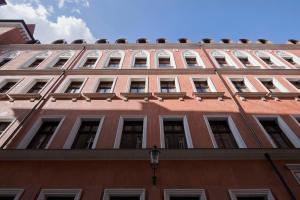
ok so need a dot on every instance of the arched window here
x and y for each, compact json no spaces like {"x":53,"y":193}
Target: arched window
{"x":90,"y":60}
{"x":61,"y":59}
{"x":290,"y":58}
{"x":270,"y":60}
{"x":192,"y":59}
{"x":7,"y":57}
{"x":140,"y":59}
{"x":114,"y":59}
{"x":164,"y":59}
{"x":246,"y":59}
{"x":36,"y":60}
{"x":222,"y":59}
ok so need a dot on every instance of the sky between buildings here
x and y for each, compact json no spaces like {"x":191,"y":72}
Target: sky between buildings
{"x":277,"y":20}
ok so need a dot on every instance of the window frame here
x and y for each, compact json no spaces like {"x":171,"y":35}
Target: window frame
{"x":273,"y":59}
{"x":89,"y":55}
{"x":187,"y":132}
{"x":295,"y":169}
{"x":67,"y":82}
{"x":181,"y":192}
{"x":251,"y":59}
{"x":295,"y":58}
{"x":119,"y":132}
{"x":200,"y":63}
{"x":136,"y":55}
{"x":40,"y":55}
{"x":34,"y":81}
{"x":137,"y":78}
{"x":288,"y":79}
{"x":12,"y":191}
{"x":36,"y":126}
{"x":248,"y":84}
{"x":74,"y":131}
{"x":292,"y":137}
{"x":12,"y":120}
{"x":171,"y":56}
{"x":44,"y":192}
{"x":233,"y":193}
{"x":59,"y":56}
{"x":168,"y":78}
{"x":210,"y":84}
{"x":276,"y":83}
{"x":111,"y":55}
{"x":108,"y":192}
{"x":228,"y":59}
{"x":10,"y":55}
{"x":103,"y":79}
{"x":294,"y":117}
{"x":234,"y":130}
{"x":10,"y":79}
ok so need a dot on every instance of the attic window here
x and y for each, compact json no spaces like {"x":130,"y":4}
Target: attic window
{"x":293,"y":41}
{"x":61,"y":41}
{"x":161,"y":40}
{"x":207,"y":40}
{"x":183,"y":40}
{"x":262,"y":41}
{"x":226,"y":41}
{"x":121,"y":41}
{"x":79,"y":41}
{"x":142,"y":41}
{"x":102,"y":41}
{"x":244,"y":41}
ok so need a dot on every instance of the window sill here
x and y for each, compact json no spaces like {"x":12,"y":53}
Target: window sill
{"x":285,"y":95}
{"x":252,"y":94}
{"x":96,"y":95}
{"x":201,"y":95}
{"x":253,"y":67}
{"x":24,"y":96}
{"x":4,"y":96}
{"x":227,"y":67}
{"x":277,"y":67}
{"x":170,"y":95}
{"x":143,"y":95}
{"x":72,"y":96}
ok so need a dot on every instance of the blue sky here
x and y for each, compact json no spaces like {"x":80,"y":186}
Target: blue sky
{"x":276,"y":20}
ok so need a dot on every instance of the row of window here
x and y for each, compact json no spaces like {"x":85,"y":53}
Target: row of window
{"x":139,"y":194}
{"x":163,"y":59}
{"x":174,"y":132}
{"x":165,"y":85}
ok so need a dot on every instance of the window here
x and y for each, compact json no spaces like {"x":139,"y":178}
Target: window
{"x":269,"y":85}
{"x":137,"y":86}
{"x":251,"y":194}
{"x":60,"y":63}
{"x":124,"y":194}
{"x":164,"y":62}
{"x":246,"y":59}
{"x":4,"y":61}
{"x":61,"y":59}
{"x":141,"y":59}
{"x":114,"y":62}
{"x":164,"y":59}
{"x":222,"y":59}
{"x":192,"y":59}
{"x":140,"y":62}
{"x":270,"y":60}
{"x":201,"y":86}
{"x":90,"y":60}
{"x":114,"y":59}
{"x":86,"y":134}
{"x":11,"y":194}
{"x":274,"y":131}
{"x":132,"y":134}
{"x":6,"y":58}
{"x":4,"y":125}
{"x":295,"y":83}
{"x":36,"y":62}
{"x":167,"y":86}
{"x":240,"y":85}
{"x":8,"y":85}
{"x":37,"y":87}
{"x":184,"y":194}
{"x":89,"y":63}
{"x":290,"y":58}
{"x":59,"y":194}
{"x":74,"y":87}
{"x":43,"y":134}
{"x":295,"y":170}
{"x":105,"y":87}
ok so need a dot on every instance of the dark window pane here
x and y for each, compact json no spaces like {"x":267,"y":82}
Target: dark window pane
{"x":270,"y":86}
{"x":268,"y":61}
{"x":89,"y":63}
{"x":60,"y":63}
{"x":290,"y":60}
{"x":86,"y":135}
{"x":7,"y":86}
{"x":3,"y":126}
{"x":240,"y":86}
{"x":114,"y":62}
{"x":245,"y":61}
{"x":185,"y":198}
{"x":137,"y":87}
{"x":140,"y":62}
{"x":104,"y":87}
{"x":164,"y":62}
{"x":43,"y":135}
{"x":296,"y":83}
{"x":167,"y":86}
{"x":222,"y":62}
{"x":74,"y":87}
{"x":4,"y":61}
{"x":222,"y":134}
{"x":37,"y":87}
{"x":277,"y":135}
{"x":132,"y":135}
{"x":60,"y":198}
{"x":174,"y":135}
{"x":36,"y":63}
{"x":125,"y":198}
{"x":191,"y":61}
{"x":252,"y":198}
{"x":201,"y":86}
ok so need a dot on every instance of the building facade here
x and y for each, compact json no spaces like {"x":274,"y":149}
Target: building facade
{"x":78,"y":120}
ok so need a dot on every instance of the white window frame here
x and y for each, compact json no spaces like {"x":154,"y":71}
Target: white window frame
{"x":74,"y":131}
{"x":34,"y":129}
{"x":295,"y":169}
{"x":34,"y":81}
{"x":63,"y":56}
{"x":248,"y":84}
{"x":9,"y":79}
{"x":110,"y":55}
{"x":44,"y":54}
{"x":276,"y":83}
{"x":12,"y":191}
{"x":183,"y":193}
{"x":11,"y":55}
{"x":226,"y":56}
{"x":234,"y":130}
{"x":45,"y":192}
{"x":296,"y":59}
{"x":67,"y":82}
{"x":283,"y":126}
{"x":88,"y":55}
{"x":168,"y":78}
{"x":294,"y":117}
{"x":288,"y":79}
{"x":273,"y":59}
{"x":136,"y":55}
{"x":103,"y":79}
{"x":252,"y":60}
{"x":137,"y":78}
{"x":121,"y":126}
{"x":234,"y":193}
{"x":12,"y":120}
{"x":123,"y":192}
{"x":186,"y":127}
{"x":170,"y":55}
{"x":209,"y":83}
{"x":200,"y":63}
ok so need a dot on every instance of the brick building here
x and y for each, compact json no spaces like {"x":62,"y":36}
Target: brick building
{"x":77,"y":121}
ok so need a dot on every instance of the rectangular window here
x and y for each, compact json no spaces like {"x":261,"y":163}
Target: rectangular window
{"x":184,"y":194}
{"x":273,"y":129}
{"x":244,"y":60}
{"x":295,"y":83}
{"x":124,"y":194}
{"x":4,"y":61}
{"x":114,"y":62}
{"x":60,"y":63}
{"x":74,"y":87}
{"x":270,"y":85}
{"x":140,"y":62}
{"x":7,"y":86}
{"x":222,"y":61}
{"x":240,"y":85}
{"x":104,"y":87}
{"x":191,"y":61}
{"x":222,"y":134}
{"x":86,"y":134}
{"x":11,"y":194}
{"x":290,"y":60}
{"x":36,"y":88}
{"x":174,"y":134}
{"x":89,"y":63}
{"x":36,"y":63}
{"x":132,"y":134}
{"x":267,"y":60}
{"x":167,"y":86}
{"x":137,"y":87}
{"x":3,"y":126}
{"x":251,"y":194}
{"x":201,"y":86}
{"x":43,"y":135}
{"x":164,"y":62}
{"x":60,"y":194}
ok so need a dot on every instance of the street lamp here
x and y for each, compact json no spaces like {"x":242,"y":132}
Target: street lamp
{"x":154,"y":161}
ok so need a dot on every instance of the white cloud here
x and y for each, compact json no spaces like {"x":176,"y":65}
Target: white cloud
{"x":76,"y":10}
{"x":85,"y":3}
{"x":66,"y":27}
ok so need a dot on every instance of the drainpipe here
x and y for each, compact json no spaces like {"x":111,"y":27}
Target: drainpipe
{"x":42,"y":100}
{"x":277,"y":172}
{"x":240,"y":108}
